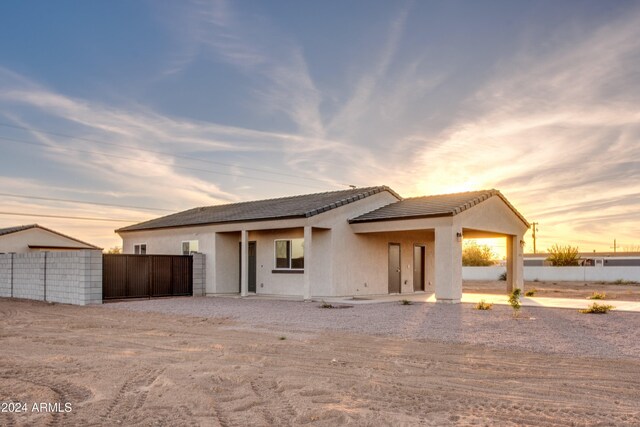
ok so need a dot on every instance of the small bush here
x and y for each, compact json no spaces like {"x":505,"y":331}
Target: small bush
{"x":596,"y":308}
{"x":536,"y":280}
{"x":530,"y":293}
{"x":482,"y":305}
{"x":326,"y":305}
{"x":514,"y":301}
{"x":282,"y":338}
{"x":598,"y":295}
{"x":503,"y":277}
{"x":405,"y":302}
{"x":624,"y":282}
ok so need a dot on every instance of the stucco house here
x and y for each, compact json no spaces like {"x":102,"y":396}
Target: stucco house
{"x":363,"y":241}
{"x":36,"y":238}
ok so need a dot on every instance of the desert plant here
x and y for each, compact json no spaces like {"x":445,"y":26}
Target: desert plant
{"x":596,"y":308}
{"x":503,"y":276}
{"x":326,"y":305}
{"x":282,"y":338}
{"x":482,"y":305}
{"x":514,"y":301}
{"x":561,"y":256}
{"x":530,"y":293}
{"x":624,"y":282}
{"x":598,"y":295}
{"x":115,"y":250}
{"x":474,"y":255}
{"x":405,"y":302}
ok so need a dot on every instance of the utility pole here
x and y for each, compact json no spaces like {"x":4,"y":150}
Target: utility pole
{"x":615,"y":246}
{"x":534,"y":226}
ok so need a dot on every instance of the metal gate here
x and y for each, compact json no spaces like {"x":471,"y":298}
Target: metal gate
{"x":146,"y":276}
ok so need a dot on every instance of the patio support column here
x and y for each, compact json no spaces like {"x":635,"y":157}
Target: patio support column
{"x":244,"y":263}
{"x":307,"y":262}
{"x":515,"y":268}
{"x":448,"y":264}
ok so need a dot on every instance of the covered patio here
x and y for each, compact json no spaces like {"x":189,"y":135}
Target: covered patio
{"x":446,"y":223}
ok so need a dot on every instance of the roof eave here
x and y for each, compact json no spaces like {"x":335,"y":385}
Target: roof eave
{"x":203,"y":224}
{"x":400,"y":218}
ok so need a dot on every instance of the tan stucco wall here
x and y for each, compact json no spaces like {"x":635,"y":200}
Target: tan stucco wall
{"x":360,"y":261}
{"x":19,"y":242}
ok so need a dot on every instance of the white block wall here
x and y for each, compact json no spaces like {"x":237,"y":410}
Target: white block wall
{"x":558,"y":274}
{"x":73,"y":277}
{"x":199,"y":275}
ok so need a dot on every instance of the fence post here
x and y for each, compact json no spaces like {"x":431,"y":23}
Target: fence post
{"x":12,"y":254}
{"x":45,"y":276}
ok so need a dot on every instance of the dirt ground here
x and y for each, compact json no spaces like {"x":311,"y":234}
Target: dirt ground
{"x":118,"y":367}
{"x":624,"y":292}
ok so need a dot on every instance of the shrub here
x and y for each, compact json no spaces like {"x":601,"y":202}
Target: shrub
{"x":598,"y":295}
{"x":503,"y":276}
{"x":624,"y":282}
{"x":405,"y":302}
{"x":282,"y":338}
{"x":561,"y":256}
{"x":514,"y":301}
{"x":596,"y":308}
{"x":482,"y":305}
{"x":474,"y":255}
{"x":530,"y":293}
{"x":326,"y":305}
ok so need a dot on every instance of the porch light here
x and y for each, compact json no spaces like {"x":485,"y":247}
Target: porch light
{"x":459,"y":236}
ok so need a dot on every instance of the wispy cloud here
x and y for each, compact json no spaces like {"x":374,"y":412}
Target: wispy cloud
{"x":556,"y":132}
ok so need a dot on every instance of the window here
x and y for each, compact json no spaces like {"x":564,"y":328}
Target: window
{"x":290,"y":254}
{"x":189,"y":247}
{"x":140,"y":249}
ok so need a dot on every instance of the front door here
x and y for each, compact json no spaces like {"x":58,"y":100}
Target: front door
{"x":252,"y":267}
{"x":394,"y":268}
{"x":418,"y":268}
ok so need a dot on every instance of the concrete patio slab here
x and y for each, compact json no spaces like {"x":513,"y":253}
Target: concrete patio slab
{"x":468,"y":298}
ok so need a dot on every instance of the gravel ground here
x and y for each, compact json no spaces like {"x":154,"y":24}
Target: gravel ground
{"x":614,"y":335}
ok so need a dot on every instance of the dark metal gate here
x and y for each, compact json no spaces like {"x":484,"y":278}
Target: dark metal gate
{"x":146,"y":276}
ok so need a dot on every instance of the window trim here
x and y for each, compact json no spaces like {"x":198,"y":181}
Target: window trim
{"x":289,"y":269}
{"x":190,"y":251}
{"x":140,"y":250}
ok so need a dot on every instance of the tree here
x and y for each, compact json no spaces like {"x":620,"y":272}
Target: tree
{"x":561,"y":256}
{"x":474,"y":255}
{"x":115,"y":250}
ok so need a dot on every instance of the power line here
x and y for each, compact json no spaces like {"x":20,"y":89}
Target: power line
{"x":22,"y":141}
{"x":53,"y":199}
{"x":181,"y":156}
{"x":83,"y":218}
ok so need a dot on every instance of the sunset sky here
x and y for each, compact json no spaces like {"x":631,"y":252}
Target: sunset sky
{"x":152,"y":107}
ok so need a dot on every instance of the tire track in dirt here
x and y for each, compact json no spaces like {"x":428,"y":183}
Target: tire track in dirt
{"x":63,"y":392}
{"x":132,"y":395}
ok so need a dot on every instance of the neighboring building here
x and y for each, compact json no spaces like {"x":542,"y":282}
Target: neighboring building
{"x":590,"y":259}
{"x":363,"y":241}
{"x":35,"y":238}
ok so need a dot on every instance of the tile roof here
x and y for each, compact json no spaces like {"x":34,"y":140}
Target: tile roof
{"x":302,"y":206}
{"x":432,"y":206}
{"x":18,"y":228}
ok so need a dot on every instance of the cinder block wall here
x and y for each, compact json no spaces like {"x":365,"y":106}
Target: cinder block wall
{"x":199,"y":275}
{"x":73,"y":277}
